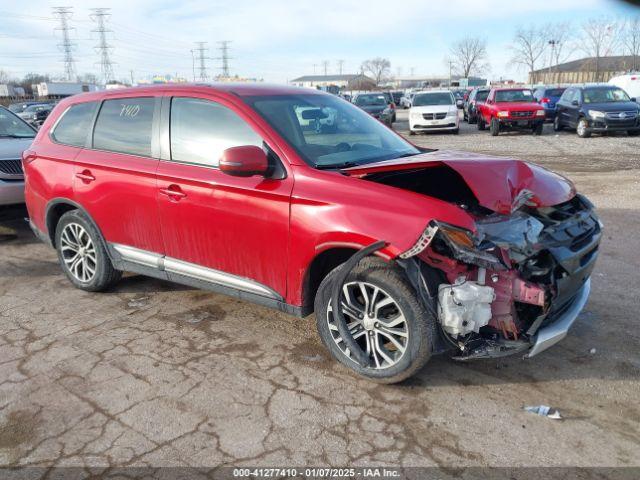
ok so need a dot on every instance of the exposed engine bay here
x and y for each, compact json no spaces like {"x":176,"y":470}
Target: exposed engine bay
{"x":500,"y":285}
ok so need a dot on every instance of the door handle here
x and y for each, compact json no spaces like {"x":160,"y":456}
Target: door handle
{"x":173,"y":192}
{"x":85,"y":176}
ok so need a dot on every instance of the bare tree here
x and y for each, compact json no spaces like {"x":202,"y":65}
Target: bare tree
{"x":468,"y":56}
{"x":4,"y":77}
{"x":564,"y":42}
{"x":599,"y":39}
{"x":378,"y":68}
{"x":529,"y":45}
{"x":631,"y":39}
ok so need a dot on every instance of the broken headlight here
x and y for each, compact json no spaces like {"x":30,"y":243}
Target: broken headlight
{"x":460,"y":242}
{"x":463,"y":247}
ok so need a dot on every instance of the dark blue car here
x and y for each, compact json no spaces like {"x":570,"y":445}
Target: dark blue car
{"x":548,"y":97}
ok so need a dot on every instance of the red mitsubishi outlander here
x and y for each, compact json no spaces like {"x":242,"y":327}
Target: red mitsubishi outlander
{"x":401,"y":252}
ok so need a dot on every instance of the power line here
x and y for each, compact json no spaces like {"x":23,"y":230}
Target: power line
{"x":201,"y":50}
{"x":64,"y":14}
{"x":101,"y":16}
{"x":224,"y":56}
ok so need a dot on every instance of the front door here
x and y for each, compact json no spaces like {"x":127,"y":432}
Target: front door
{"x":231,"y":226}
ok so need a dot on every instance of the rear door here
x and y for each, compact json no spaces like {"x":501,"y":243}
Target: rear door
{"x":115,"y":178}
{"x":564,"y":106}
{"x":234,"y":225}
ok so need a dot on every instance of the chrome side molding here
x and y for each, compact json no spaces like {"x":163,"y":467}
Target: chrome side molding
{"x":191,"y":270}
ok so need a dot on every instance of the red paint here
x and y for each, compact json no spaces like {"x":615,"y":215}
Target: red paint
{"x":244,"y":161}
{"x":264,"y":229}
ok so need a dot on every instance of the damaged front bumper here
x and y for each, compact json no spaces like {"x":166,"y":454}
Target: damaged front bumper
{"x":550,"y":335}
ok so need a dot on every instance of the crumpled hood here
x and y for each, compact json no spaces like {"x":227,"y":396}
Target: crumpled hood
{"x":500,"y":184}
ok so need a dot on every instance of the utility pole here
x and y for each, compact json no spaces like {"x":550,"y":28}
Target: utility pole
{"x":450,"y":67}
{"x":553,"y":44}
{"x":201,"y":48}
{"x":100,"y":16}
{"x":314,"y":68}
{"x":132,"y":82}
{"x":193,"y":64}
{"x":224,"y":56}
{"x":325,"y":66}
{"x":340,"y":66}
{"x":64,"y":14}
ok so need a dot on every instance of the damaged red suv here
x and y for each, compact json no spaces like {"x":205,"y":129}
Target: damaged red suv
{"x":402,"y":252}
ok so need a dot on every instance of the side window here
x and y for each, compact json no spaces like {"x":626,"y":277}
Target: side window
{"x":567,"y":96}
{"x":125,"y":125}
{"x":201,"y":130}
{"x":74,"y":126}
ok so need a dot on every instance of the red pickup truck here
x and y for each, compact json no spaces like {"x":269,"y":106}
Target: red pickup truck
{"x":511,"y":109}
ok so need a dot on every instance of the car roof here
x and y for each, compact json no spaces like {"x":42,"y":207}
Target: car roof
{"x":236,"y":89}
{"x":434,"y":91}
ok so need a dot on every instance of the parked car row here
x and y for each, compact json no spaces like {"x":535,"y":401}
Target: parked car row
{"x":595,"y":108}
{"x":32,"y":112}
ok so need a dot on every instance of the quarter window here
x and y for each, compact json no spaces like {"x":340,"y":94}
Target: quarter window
{"x":125,"y":125}
{"x":75,"y":124}
{"x":201,"y":130}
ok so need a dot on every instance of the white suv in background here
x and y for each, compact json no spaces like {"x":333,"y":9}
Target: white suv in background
{"x":433,"y":110}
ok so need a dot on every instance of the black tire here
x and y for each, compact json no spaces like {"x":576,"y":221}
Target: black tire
{"x":557,"y":126}
{"x":583,"y":132}
{"x":465,"y":117}
{"x":104,"y":276}
{"x":494,"y":127}
{"x":456,"y":131}
{"x":537,"y":129}
{"x":633,"y":133}
{"x":411,"y":132}
{"x":420,"y":324}
{"x":472,"y":119}
{"x":481,"y":124}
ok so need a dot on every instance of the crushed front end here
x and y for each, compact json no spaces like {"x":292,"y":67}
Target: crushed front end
{"x":516,"y":284}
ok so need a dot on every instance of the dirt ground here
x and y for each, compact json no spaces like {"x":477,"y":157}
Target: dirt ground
{"x":158,"y":374}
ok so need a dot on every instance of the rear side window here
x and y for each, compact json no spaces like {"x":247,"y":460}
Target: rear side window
{"x":201,"y":130}
{"x":74,"y":126}
{"x":125,"y":125}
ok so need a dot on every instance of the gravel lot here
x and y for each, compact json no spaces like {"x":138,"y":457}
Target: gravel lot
{"x":158,"y":374}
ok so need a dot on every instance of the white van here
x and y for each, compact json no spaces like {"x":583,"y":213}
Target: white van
{"x":630,"y":83}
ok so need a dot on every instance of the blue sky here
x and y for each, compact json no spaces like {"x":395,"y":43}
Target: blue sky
{"x":280,"y":39}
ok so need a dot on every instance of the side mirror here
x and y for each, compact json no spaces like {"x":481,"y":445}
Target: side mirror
{"x":244,"y":161}
{"x":634,"y":99}
{"x":575,"y":103}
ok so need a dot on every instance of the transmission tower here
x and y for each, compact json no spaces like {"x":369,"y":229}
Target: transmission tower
{"x":64,"y":14}
{"x":340,"y":66}
{"x":201,"y":49}
{"x":224,"y":57}
{"x":101,"y":16}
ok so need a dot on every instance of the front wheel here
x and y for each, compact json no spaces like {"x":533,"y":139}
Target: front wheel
{"x":557,"y":126}
{"x":537,"y":129}
{"x":583,"y":128}
{"x":82,"y":255}
{"x":385,"y":318}
{"x":495,"y":127}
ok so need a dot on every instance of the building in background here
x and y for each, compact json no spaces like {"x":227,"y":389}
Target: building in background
{"x":11,"y":91}
{"x":436,"y":81}
{"x":55,"y":90}
{"x":585,"y":70}
{"x":340,"y":82}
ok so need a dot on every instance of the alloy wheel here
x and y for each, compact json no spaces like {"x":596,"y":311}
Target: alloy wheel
{"x":375,"y":321}
{"x":78,"y":252}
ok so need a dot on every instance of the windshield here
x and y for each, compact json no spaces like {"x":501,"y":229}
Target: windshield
{"x":514,"y":96}
{"x":371,"y":100}
{"x":16,"y":107}
{"x":605,"y":95}
{"x":482,"y":95}
{"x":554,"y":92}
{"x":328,"y":132}
{"x":436,"y":98}
{"x":36,"y":108}
{"x":12,"y":126}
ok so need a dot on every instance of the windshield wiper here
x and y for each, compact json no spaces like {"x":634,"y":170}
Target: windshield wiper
{"x":332,"y":166}
{"x":13,"y":135}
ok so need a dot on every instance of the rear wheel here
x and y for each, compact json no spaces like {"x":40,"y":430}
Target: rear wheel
{"x":385,"y":318}
{"x":481,"y":124}
{"x":495,"y":127}
{"x":82,"y":255}
{"x":583,"y":128}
